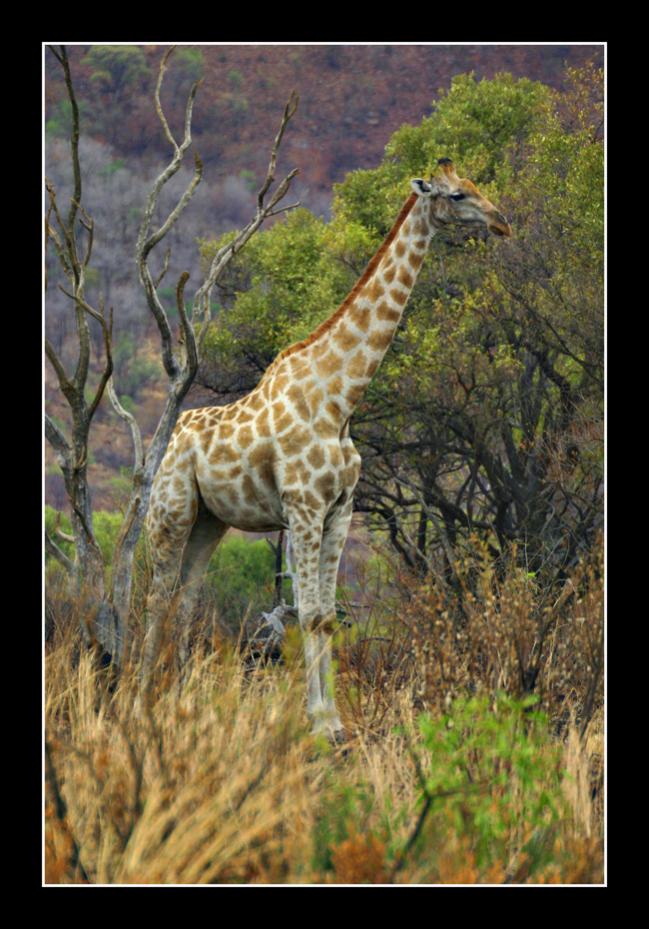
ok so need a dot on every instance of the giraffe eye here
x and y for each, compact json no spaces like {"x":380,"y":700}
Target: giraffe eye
{"x":457,"y":196}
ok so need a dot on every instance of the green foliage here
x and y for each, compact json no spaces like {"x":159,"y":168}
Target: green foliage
{"x":190,"y":62}
{"x":116,"y":67}
{"x":284,"y":285}
{"x":490,"y":782}
{"x":498,"y":363}
{"x":105,"y":527}
{"x":344,"y":811}
{"x":292,"y":275}
{"x":494,"y":771}
{"x":57,"y":520}
{"x":122,"y":484}
{"x":474,"y":123}
{"x":241,"y":578}
{"x":132,"y":369}
{"x":59,"y":123}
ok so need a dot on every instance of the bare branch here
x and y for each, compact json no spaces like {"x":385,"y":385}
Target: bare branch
{"x":55,"y":53}
{"x":56,"y":439}
{"x":68,"y":266}
{"x":132,"y":424}
{"x":165,"y":268}
{"x":53,"y":549}
{"x":77,"y":298}
{"x":201,"y":310}
{"x":147,"y":242}
{"x":107,"y":332}
{"x":281,"y":190}
{"x":284,"y":209}
{"x":180,"y":206}
{"x":50,"y":233}
{"x":65,"y":384}
{"x":158,"y":105}
{"x":189,"y":341}
{"x":289,"y":111}
{"x":144,"y":245}
{"x":89,"y":225}
{"x":65,"y":536}
{"x":74,"y":146}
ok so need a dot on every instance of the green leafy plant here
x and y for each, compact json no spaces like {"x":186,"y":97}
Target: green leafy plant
{"x":240,"y":578}
{"x":492,"y":774}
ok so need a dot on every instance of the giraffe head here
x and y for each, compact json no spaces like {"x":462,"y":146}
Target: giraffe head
{"x":458,"y":200}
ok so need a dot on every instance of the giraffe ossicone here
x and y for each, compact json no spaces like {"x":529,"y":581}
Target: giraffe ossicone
{"x":281,"y":457}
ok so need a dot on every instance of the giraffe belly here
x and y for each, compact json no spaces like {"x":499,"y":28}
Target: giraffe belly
{"x":241,"y":504}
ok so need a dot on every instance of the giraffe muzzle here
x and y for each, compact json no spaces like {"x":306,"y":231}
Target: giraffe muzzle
{"x":499,"y":225}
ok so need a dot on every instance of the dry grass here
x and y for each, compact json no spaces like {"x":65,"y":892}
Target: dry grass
{"x":216,"y":779}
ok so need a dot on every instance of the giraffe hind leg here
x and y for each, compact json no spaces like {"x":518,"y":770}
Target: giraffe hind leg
{"x":167,"y":536}
{"x":203,"y":540}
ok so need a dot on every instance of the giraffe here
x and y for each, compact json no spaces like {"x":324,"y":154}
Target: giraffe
{"x":282,"y":456}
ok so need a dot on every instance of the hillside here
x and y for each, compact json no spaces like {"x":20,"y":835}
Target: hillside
{"x":353,"y":97}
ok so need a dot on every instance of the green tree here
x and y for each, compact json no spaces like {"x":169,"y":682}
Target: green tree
{"x":486,"y":414}
{"x":117,"y":68}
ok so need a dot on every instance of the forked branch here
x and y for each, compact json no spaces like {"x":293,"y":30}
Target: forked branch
{"x":201,"y":313}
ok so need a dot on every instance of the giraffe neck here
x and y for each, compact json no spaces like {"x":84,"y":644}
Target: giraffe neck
{"x":346,"y":350}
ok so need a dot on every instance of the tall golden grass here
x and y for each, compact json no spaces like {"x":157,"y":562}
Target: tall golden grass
{"x":215,"y":777}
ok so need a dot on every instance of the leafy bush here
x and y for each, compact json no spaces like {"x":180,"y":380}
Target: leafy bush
{"x":489,"y":403}
{"x":117,"y":67}
{"x":133,"y":368}
{"x":494,"y":776}
{"x":240,"y":579}
{"x":490,"y":802}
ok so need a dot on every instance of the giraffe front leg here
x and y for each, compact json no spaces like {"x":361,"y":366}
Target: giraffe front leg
{"x":305,"y":539}
{"x":331,"y":549}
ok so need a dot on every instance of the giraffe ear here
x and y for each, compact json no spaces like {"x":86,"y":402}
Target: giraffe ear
{"x":421,"y":187}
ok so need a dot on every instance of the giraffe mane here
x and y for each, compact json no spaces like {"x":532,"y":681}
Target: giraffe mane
{"x":351,"y":296}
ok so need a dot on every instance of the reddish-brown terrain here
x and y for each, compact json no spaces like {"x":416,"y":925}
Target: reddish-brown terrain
{"x":352,"y":98}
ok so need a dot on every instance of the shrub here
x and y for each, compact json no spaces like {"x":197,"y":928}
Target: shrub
{"x":240,"y":579}
{"x":493,"y":776}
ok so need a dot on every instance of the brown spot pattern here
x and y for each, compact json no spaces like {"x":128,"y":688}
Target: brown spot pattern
{"x":406,"y":278}
{"x":356,"y":367}
{"x":379,"y":341}
{"x":316,"y":457}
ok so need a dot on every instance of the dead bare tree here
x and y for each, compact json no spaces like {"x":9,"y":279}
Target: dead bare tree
{"x":66,"y":235}
{"x":180,"y":361}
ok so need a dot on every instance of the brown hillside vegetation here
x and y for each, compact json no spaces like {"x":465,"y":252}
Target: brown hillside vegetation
{"x":353,"y":97}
